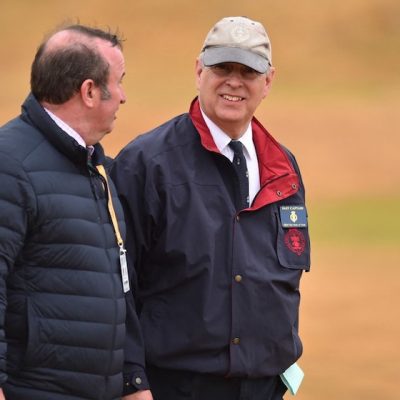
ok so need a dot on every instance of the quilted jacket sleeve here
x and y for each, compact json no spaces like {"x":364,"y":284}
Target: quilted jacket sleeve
{"x":15,"y":192}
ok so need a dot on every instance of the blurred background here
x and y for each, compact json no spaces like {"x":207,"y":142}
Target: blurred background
{"x":334,"y":102}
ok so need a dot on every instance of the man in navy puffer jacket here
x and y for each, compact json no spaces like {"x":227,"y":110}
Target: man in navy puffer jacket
{"x":64,"y":318}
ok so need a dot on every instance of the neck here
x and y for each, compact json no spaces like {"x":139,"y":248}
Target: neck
{"x":70,"y":114}
{"x":234,"y":131}
{"x":234,"y":134}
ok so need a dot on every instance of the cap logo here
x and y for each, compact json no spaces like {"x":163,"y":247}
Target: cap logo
{"x":240,"y":33}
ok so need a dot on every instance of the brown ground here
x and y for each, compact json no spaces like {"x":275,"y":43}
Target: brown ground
{"x":334,"y":102}
{"x":350,"y":325}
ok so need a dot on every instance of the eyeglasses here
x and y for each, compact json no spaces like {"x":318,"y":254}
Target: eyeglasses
{"x":223,"y":70}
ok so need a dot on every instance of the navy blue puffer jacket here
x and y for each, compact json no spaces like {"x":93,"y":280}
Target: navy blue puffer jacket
{"x":62,"y":305}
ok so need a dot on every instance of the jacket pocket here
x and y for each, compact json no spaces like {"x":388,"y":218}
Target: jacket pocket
{"x":32,"y":324}
{"x":298,"y":346}
{"x":293,"y":246}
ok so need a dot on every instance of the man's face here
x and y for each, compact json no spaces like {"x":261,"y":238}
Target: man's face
{"x":229,"y":94}
{"x":109,"y":101}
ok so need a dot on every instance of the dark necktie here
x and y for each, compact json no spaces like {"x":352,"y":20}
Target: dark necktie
{"x":239,"y":163}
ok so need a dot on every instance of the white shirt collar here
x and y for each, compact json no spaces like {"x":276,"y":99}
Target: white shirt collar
{"x":66,"y":128}
{"x":222,"y":140}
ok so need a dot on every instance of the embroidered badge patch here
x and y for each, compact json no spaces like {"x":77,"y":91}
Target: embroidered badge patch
{"x":295,"y":241}
{"x":293,"y":216}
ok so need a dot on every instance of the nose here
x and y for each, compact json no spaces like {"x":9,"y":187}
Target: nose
{"x":234,"y":79}
{"x":123,"y":97}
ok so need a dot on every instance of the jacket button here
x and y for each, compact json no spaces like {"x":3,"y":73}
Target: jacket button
{"x":279,"y":193}
{"x":294,"y":186}
{"x":138,"y":381}
{"x":237,"y":218}
{"x":238,"y":278}
{"x":236,"y":340}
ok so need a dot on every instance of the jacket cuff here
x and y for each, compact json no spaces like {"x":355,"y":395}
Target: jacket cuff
{"x":135,"y":381}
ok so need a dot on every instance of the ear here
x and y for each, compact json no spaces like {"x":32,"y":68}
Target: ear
{"x":198,"y":70}
{"x":268,"y":81}
{"x":89,"y":93}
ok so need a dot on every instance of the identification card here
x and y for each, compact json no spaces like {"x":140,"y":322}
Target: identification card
{"x":124,"y":270}
{"x":293,"y":216}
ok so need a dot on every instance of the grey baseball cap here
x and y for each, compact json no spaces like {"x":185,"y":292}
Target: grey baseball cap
{"x":240,"y":40}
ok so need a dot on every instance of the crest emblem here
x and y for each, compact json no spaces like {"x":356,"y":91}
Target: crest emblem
{"x":293,"y":216}
{"x":240,"y":33}
{"x":295,"y":241}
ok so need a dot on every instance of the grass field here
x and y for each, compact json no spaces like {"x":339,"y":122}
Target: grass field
{"x":334,"y":103}
{"x":350,"y":322}
{"x":357,"y":222}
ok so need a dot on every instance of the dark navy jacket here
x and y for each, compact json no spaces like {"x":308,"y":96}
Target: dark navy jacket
{"x":63,"y":312}
{"x":218,"y":286}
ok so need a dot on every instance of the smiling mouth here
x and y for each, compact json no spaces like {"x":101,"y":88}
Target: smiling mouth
{"x":235,"y":99}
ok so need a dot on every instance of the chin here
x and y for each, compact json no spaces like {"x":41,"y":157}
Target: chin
{"x":108,"y":130}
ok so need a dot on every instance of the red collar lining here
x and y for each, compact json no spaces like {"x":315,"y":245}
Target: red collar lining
{"x":278,"y":179}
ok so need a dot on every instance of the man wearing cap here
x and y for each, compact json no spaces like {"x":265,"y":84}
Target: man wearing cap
{"x":217,"y":228}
